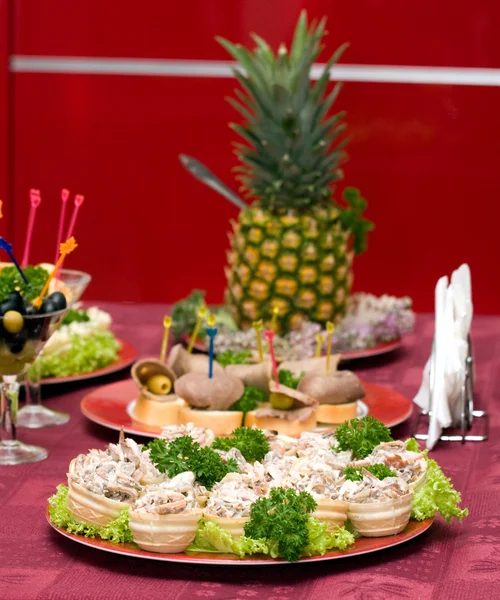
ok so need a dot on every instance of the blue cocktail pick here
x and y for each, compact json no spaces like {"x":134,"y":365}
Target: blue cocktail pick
{"x":4,"y":245}
{"x":211,"y":332}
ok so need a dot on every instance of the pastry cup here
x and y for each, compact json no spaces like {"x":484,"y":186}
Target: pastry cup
{"x":94,"y":509}
{"x":334,"y":512}
{"x":221,"y":422}
{"x":233,"y":525}
{"x":170,"y":533}
{"x":379,"y":519}
{"x":151,"y":414}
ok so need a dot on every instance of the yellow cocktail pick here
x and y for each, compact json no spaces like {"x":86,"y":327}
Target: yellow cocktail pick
{"x":211,"y":320}
{"x":274,"y":320}
{"x":329,"y":331}
{"x":201,"y":313}
{"x":319,"y":344}
{"x":65,"y":248}
{"x":167,"y":323}
{"x":258,"y":326}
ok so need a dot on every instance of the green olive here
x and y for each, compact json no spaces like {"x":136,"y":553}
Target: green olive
{"x":280,"y":401}
{"x":13,"y":321}
{"x":159,"y":385}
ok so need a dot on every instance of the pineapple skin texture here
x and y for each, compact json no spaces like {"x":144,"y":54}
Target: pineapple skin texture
{"x":297,"y":261}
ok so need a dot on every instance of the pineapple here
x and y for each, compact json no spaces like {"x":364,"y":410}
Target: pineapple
{"x":293,"y":247}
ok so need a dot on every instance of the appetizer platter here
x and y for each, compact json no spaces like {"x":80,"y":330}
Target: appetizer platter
{"x":253,"y":497}
{"x":235,"y":389}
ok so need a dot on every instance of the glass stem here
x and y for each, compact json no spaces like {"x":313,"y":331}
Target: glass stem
{"x":9,"y":400}
{"x":33,"y":392}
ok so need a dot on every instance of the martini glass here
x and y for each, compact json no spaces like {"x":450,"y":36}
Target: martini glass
{"x":33,"y":414}
{"x":17,"y":352}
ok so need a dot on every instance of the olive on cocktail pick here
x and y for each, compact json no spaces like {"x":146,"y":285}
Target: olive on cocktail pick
{"x":59,"y":300}
{"x":48,"y":306}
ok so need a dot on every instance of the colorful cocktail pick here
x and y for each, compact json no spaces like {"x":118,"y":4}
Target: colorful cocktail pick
{"x":167,"y":323}
{"x":274,"y":320}
{"x":319,"y":344}
{"x":201,"y":313}
{"x":211,"y":332}
{"x":66,"y":248}
{"x":1,"y":207}
{"x":62,"y":217}
{"x":35,"y":200}
{"x":329,"y":331}
{"x":269,"y":335}
{"x":258,"y":326}
{"x":78,"y":202}
{"x":4,"y":245}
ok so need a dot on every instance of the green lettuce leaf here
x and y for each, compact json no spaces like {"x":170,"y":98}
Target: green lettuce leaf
{"x":437,"y":495}
{"x":117,"y":531}
{"x":211,"y":538}
{"x":87,"y":353}
{"x":321,"y":540}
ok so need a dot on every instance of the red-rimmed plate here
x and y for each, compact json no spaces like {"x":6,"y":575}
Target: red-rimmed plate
{"x":126,"y":356}
{"x":361,"y":546}
{"x":108,"y":404}
{"x":383,"y":348}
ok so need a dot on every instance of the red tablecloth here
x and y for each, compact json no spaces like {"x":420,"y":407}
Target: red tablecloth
{"x":459,"y":561}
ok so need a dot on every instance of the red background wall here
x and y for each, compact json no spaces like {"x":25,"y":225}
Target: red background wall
{"x":425,"y":156}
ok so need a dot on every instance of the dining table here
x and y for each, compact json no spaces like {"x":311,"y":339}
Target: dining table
{"x":456,"y":560}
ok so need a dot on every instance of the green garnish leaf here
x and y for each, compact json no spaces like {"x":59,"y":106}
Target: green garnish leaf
{"x":361,"y":436}
{"x":288,"y":379}
{"x":184,"y":454}
{"x":233,"y":358}
{"x":250,"y":400}
{"x":437,"y":495}
{"x":379,"y":470}
{"x":75,"y":316}
{"x":117,"y":531}
{"x":87,"y":353}
{"x":250,"y":442}
{"x":11,"y":280}
{"x":282,"y":520}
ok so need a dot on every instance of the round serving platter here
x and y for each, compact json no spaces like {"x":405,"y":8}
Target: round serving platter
{"x":383,"y":348}
{"x":361,"y":546}
{"x":126,"y":356}
{"x":109,"y":406}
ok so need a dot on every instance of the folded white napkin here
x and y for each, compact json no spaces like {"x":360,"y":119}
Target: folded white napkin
{"x":446,"y":365}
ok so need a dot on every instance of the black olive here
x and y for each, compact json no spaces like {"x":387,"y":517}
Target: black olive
{"x":15,"y":341}
{"x":33,"y":325}
{"x":7,"y":305}
{"x":17,"y":300}
{"x":48,"y":306}
{"x":59,"y":299}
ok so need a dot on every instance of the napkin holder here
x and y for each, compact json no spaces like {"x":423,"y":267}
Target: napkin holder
{"x":467,"y":412}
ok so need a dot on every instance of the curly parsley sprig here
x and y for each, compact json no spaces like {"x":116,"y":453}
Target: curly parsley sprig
{"x":250,"y":442}
{"x":281,"y":519}
{"x":379,"y":470}
{"x":184,"y":454}
{"x":361,"y":436}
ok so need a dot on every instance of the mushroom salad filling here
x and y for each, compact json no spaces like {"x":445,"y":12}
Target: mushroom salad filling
{"x":169,"y":497}
{"x":371,"y":489}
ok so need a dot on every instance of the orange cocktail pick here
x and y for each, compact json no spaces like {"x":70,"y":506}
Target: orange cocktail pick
{"x":66,"y":248}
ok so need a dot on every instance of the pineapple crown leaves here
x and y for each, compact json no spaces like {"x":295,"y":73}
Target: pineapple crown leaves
{"x":351,"y":218}
{"x":293,"y":148}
